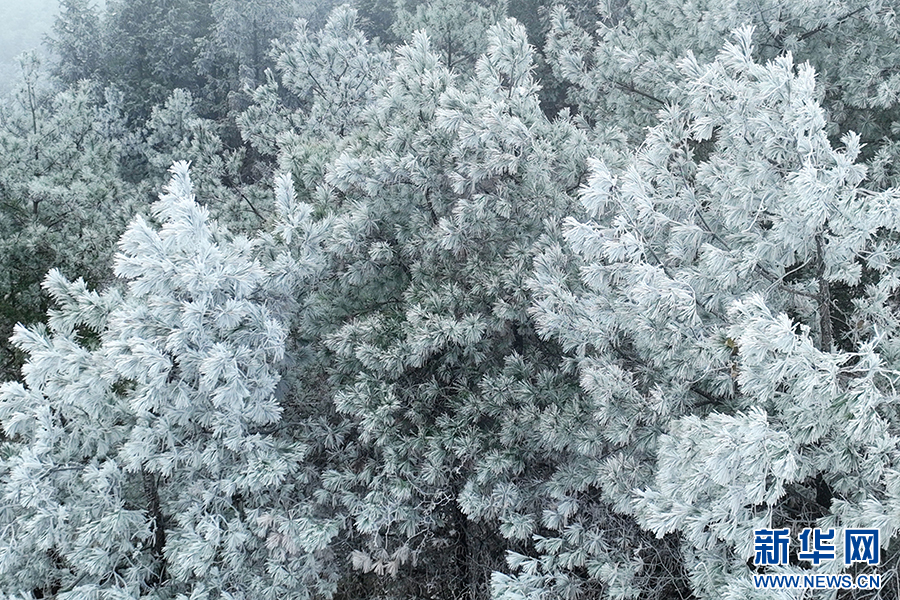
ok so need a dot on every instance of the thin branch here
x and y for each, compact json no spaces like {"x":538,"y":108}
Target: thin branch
{"x":710,"y":399}
{"x":777,"y":281}
{"x":253,"y":208}
{"x":766,"y":23}
{"x":634,"y":90}
{"x":824,"y":26}
{"x":55,"y":470}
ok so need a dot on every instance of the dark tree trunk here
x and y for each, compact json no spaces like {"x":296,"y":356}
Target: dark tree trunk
{"x":154,"y":509}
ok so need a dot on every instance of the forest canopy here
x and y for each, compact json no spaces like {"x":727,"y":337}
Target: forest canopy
{"x":449,"y":299}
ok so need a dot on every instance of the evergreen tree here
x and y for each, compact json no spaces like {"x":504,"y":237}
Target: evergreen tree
{"x":457,"y":28}
{"x":624,"y":69}
{"x":244,"y":31}
{"x":146,"y":453}
{"x":442,"y":202}
{"x":237,"y":52}
{"x":313,"y":105}
{"x":706,"y":323}
{"x":76,"y":33}
{"x":175,"y":131}
{"x":62,"y":202}
{"x":439,"y":374}
{"x":151,"y":49}
{"x":377,"y":19}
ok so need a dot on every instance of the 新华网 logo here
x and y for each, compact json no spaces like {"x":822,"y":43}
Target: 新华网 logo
{"x":771,"y":547}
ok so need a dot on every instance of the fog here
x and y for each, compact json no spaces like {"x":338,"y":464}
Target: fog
{"x":25,"y":23}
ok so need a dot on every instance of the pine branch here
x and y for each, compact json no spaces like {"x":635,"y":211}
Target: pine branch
{"x":633,"y":90}
{"x":779,"y":281}
{"x":250,"y":204}
{"x":710,"y":399}
{"x":825,"y":26}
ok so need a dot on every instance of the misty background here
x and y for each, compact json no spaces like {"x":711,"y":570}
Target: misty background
{"x":25,"y":23}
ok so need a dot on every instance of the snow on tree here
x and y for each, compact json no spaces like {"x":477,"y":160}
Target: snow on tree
{"x":146,"y":63}
{"x":445,"y":375}
{"x":144,"y":454}
{"x":241,"y":35}
{"x":325,"y":80}
{"x":76,"y":32}
{"x":733,"y":320}
{"x":456,"y":28}
{"x":63,"y":202}
{"x":176,"y":132}
{"x":625,"y":69}
{"x":441,"y":205}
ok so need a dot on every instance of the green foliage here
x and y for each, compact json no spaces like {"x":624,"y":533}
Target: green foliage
{"x":74,"y":41}
{"x":148,"y":456}
{"x":516,"y":325}
{"x":147,"y":62}
{"x":705,"y":278}
{"x":62,"y":202}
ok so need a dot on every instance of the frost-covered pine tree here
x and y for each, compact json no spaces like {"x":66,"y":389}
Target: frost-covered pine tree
{"x":622,"y":70}
{"x":456,"y":28}
{"x":147,"y":63}
{"x":440,"y":205}
{"x":146,"y":453}
{"x":74,"y":41}
{"x":239,"y":40}
{"x":176,"y":131}
{"x":312,"y":105}
{"x":63,"y":201}
{"x":734,"y":324}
